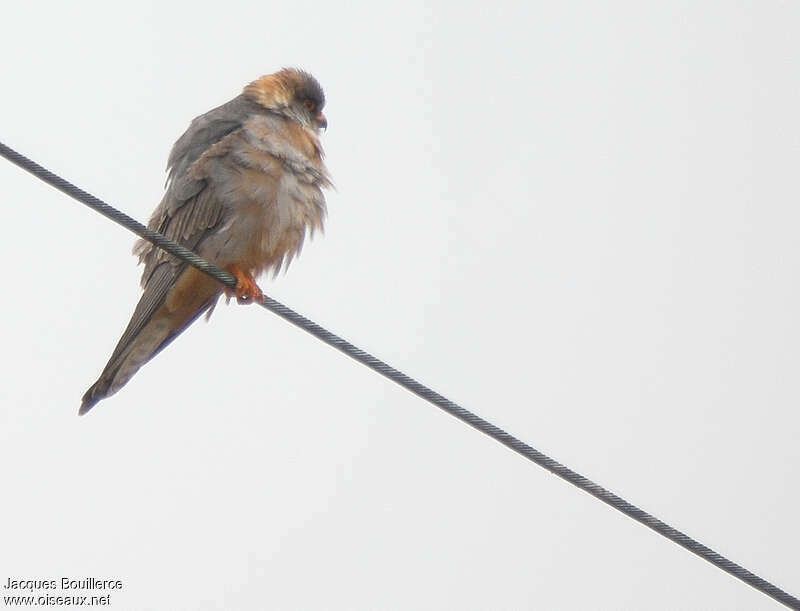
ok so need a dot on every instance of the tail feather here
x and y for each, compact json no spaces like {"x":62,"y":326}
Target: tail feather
{"x":174,"y":296}
{"x":121,"y":368}
{"x":152,"y":339}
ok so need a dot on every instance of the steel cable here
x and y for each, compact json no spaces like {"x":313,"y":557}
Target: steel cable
{"x":410,"y":384}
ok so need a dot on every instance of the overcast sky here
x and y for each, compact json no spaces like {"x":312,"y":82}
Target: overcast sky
{"x":577,"y":219}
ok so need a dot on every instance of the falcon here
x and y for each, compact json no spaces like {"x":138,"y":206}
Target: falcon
{"x":244,"y":188}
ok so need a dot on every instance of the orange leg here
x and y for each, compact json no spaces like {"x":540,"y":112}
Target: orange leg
{"x":247,"y":290}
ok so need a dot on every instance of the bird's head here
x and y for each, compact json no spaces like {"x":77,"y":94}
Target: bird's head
{"x":293,"y":93}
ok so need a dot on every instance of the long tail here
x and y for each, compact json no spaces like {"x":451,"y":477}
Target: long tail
{"x":170,"y":303}
{"x":155,"y":336}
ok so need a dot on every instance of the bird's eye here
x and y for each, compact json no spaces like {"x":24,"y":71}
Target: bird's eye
{"x":310,"y":105}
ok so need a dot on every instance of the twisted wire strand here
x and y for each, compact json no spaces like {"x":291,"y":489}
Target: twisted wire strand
{"x":410,"y":384}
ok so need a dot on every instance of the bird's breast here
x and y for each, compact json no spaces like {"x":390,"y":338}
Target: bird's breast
{"x":271,"y":203}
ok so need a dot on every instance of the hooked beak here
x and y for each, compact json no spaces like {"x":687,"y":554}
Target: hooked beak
{"x":321,"y":120}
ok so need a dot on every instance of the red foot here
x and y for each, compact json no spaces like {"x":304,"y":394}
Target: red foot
{"x":247,"y":290}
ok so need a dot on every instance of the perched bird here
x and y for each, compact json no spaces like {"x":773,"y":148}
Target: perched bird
{"x":244,"y":186}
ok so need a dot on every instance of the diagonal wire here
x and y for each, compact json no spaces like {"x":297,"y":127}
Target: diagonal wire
{"x":409,"y":383}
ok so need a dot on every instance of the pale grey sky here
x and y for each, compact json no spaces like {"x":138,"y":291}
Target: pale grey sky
{"x":577,"y":219}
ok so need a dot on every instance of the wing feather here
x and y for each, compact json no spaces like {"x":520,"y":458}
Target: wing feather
{"x":188,"y":212}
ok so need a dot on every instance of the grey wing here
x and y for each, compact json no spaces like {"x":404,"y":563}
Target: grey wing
{"x":164,"y":274}
{"x":184,"y":210}
{"x":188,"y":212}
{"x":146,"y":334}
